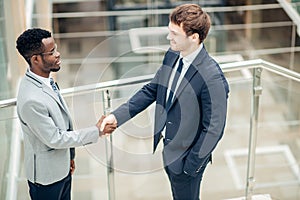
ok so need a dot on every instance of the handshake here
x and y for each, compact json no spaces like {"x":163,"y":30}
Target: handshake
{"x":106,"y":124}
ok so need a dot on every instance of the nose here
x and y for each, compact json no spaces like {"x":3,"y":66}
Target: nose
{"x":57,"y":54}
{"x":169,"y":36}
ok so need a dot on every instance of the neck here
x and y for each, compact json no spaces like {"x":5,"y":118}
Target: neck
{"x":39,"y":73}
{"x":190,"y":50}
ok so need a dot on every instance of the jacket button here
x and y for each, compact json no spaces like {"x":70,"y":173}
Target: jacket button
{"x":170,"y":123}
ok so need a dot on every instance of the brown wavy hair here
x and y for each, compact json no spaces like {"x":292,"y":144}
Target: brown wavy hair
{"x":192,"y":19}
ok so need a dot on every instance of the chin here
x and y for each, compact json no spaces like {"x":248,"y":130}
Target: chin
{"x":173,"y":48}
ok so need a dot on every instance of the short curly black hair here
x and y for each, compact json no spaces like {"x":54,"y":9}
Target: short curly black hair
{"x":30,"y":42}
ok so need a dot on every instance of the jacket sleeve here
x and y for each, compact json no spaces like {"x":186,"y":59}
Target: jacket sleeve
{"x":214,"y":109}
{"x":138,"y":102}
{"x":38,"y":120}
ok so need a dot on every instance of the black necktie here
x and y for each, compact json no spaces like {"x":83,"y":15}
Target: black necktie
{"x":174,"y":83}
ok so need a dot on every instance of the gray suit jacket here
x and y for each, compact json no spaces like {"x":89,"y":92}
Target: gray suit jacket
{"x":48,"y":132}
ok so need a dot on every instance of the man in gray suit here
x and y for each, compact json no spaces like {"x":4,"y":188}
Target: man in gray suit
{"x":190,"y":92}
{"x":49,"y":138}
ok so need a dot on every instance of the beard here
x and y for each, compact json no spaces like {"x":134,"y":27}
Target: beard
{"x":54,"y":69}
{"x":51,"y":66}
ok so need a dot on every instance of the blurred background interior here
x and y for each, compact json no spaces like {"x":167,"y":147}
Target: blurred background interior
{"x":109,"y":49}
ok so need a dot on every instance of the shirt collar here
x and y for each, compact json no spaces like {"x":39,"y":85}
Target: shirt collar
{"x":187,"y":60}
{"x":44,"y":80}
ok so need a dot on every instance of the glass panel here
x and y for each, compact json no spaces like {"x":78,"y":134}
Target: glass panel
{"x":8,"y":124}
{"x":277,"y":157}
{"x":4,"y":87}
{"x":278,"y":144}
{"x":100,"y":53}
{"x":143,"y":172}
{"x":90,"y":178}
{"x":7,"y":119}
{"x":277,"y":160}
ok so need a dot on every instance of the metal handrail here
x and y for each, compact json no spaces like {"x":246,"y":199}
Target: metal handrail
{"x":234,"y":66}
{"x":257,"y":66}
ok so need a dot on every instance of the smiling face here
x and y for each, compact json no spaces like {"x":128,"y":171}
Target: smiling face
{"x":179,"y":41}
{"x":48,"y":60}
{"x":188,"y":28}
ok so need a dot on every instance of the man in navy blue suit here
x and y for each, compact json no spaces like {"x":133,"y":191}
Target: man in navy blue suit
{"x":191,"y":94}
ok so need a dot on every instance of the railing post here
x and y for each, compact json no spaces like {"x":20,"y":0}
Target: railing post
{"x":257,"y":90}
{"x":109,"y":150}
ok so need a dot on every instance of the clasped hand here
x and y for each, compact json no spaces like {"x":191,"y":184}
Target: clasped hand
{"x":106,"y":124}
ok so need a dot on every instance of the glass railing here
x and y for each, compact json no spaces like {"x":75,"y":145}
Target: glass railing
{"x":258,"y":155}
{"x":9,"y":151}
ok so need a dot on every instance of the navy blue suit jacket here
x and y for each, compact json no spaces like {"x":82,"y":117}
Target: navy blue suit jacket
{"x":196,"y":119}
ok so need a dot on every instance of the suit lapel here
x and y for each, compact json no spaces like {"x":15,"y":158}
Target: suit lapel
{"x":51,"y":93}
{"x":47,"y":90}
{"x":61,"y":102}
{"x":192,"y":70}
{"x":186,"y":79}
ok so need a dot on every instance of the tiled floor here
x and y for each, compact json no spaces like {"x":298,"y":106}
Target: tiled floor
{"x":255,"y":197}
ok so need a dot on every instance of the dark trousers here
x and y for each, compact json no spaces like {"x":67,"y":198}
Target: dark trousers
{"x":185,"y":187}
{"x":60,"y":190}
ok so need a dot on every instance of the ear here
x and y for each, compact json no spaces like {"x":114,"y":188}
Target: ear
{"x":195,"y":37}
{"x":34,"y":60}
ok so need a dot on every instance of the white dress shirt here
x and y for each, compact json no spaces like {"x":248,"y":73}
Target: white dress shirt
{"x":46,"y":81}
{"x":187,"y":61}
